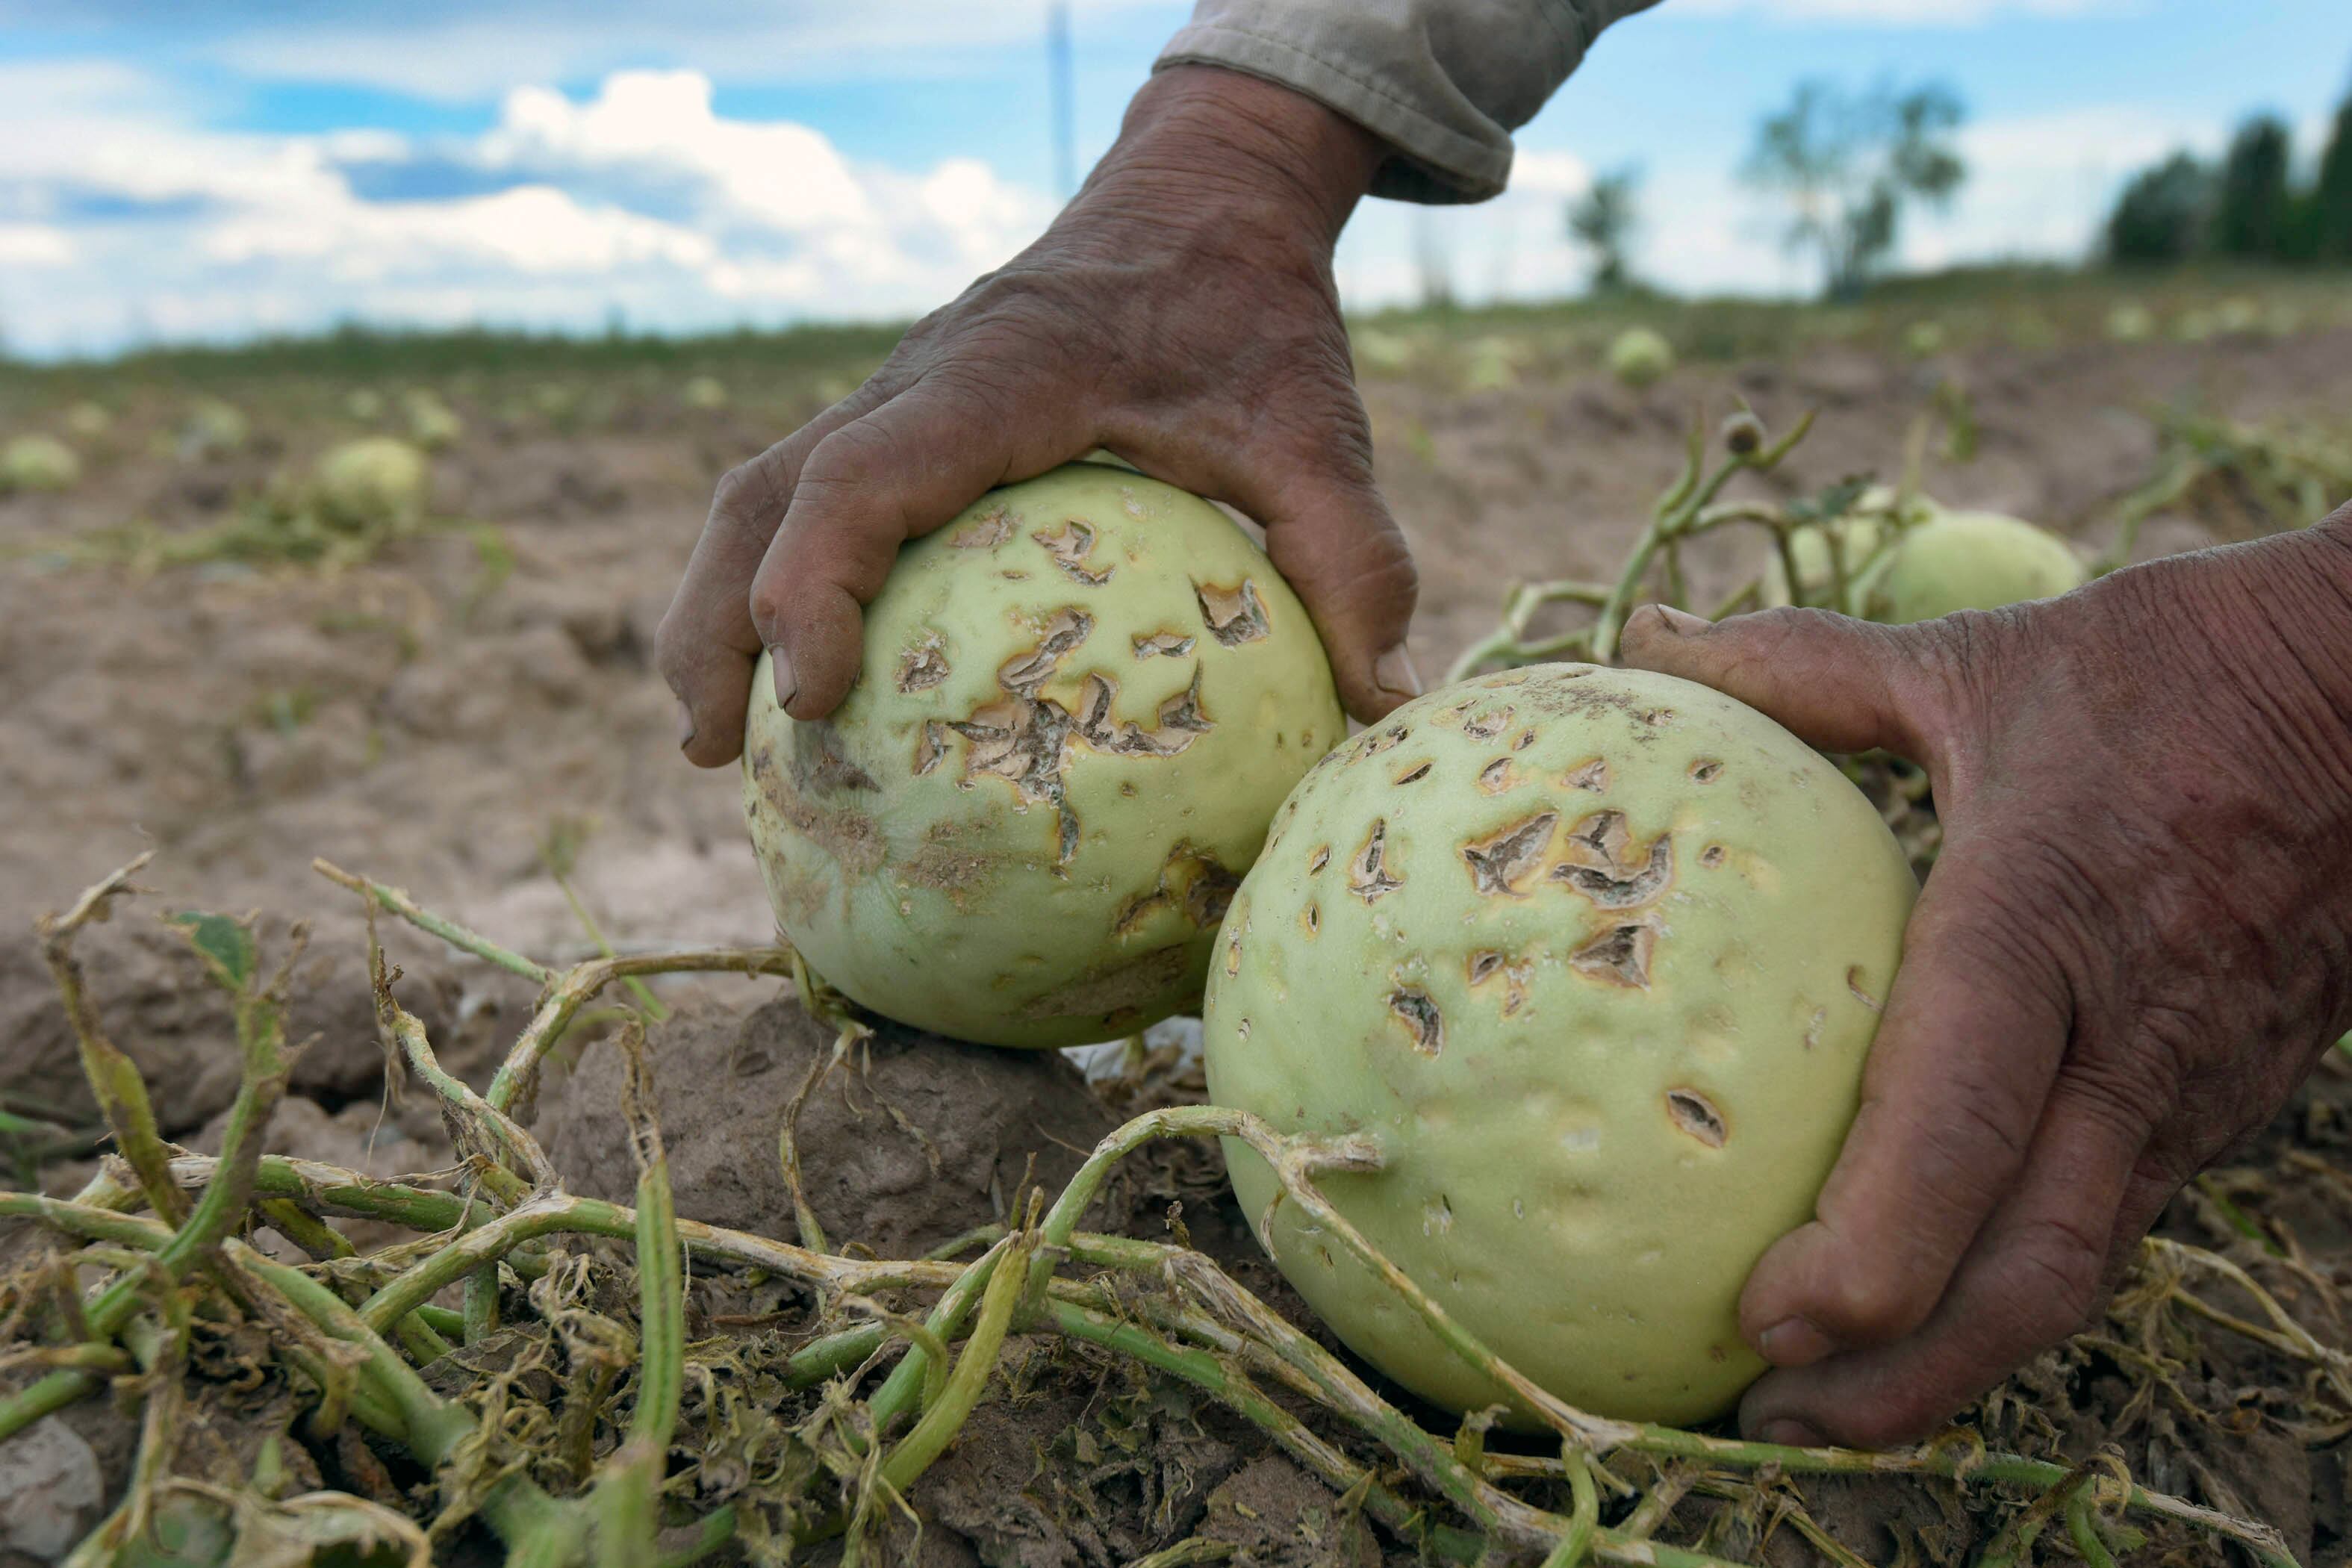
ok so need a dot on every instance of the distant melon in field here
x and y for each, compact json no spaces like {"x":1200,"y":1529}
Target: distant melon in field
{"x":1640,"y":357}
{"x":372,"y":483}
{"x":38,"y":463}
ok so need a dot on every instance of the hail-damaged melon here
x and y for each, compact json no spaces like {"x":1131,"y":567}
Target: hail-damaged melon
{"x":1082,"y":700}
{"x":1967,"y":560}
{"x":1595,"y":957}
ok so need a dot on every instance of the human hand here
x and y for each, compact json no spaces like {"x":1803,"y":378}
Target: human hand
{"x":1180,"y":313}
{"x":2135,"y":943}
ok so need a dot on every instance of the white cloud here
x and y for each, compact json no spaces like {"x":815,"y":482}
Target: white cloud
{"x":640,"y":197}
{"x":34,"y":245}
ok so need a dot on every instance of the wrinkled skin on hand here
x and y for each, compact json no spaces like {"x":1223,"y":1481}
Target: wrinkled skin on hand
{"x":2136,"y":941}
{"x":1180,"y":313}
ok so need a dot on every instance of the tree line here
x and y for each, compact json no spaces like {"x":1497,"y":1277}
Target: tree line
{"x":2249,"y":206}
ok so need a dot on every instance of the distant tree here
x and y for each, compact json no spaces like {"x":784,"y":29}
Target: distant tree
{"x":1603,"y":220}
{"x":2331,"y":196}
{"x":2252,"y":211}
{"x":2163,"y":213}
{"x":1849,"y":164}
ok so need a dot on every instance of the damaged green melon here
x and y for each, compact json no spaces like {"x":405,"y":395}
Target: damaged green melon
{"x":1595,"y":957}
{"x":1967,"y":560}
{"x":1082,"y":700}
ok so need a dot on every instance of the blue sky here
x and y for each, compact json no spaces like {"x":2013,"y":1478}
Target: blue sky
{"x":270,"y":168}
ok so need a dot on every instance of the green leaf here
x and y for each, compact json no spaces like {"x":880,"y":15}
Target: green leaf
{"x":226,"y":945}
{"x":1832,"y":502}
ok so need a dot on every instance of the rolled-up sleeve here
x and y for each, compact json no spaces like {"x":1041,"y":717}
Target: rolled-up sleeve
{"x":1444,"y":82}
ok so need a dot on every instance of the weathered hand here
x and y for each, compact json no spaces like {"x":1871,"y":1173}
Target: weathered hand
{"x":1180,"y":313}
{"x":2137,"y":940}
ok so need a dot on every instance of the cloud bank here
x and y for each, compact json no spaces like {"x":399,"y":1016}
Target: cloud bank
{"x":121,"y":220}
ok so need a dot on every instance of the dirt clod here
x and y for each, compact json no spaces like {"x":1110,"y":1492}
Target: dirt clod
{"x":914,"y":1140}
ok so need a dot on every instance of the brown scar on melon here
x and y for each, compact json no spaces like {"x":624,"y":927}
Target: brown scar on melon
{"x":1233,"y":616}
{"x":850,"y":836}
{"x":983,"y":532}
{"x":1601,"y":861}
{"x":1192,"y":882}
{"x":1414,"y":1008}
{"x":1162,"y":645}
{"x":1618,"y":954}
{"x":923,"y":666}
{"x":1368,"y":875}
{"x":1501,"y":861}
{"x":1124,"y":987}
{"x":1486,"y":726}
{"x":1697,"y":1115}
{"x":1025,"y":673}
{"x":1069,"y":545}
{"x":1486,"y":964}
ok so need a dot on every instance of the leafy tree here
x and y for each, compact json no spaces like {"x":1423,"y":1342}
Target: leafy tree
{"x":2162,"y":214}
{"x":1849,"y":164}
{"x":1603,"y":220}
{"x":2331,"y":198}
{"x":2252,"y":212}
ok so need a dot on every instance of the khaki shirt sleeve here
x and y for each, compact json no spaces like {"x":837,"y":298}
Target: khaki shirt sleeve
{"x":1444,"y":82}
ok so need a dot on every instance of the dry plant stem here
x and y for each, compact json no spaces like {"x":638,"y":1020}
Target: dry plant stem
{"x":2287,"y":1336}
{"x":1676,"y":512}
{"x":1226,"y":1385}
{"x":1210,"y":1374}
{"x":578,"y":985}
{"x":638,"y":988}
{"x":560,"y":1213}
{"x":496,"y":1129}
{"x":114,"y":1079}
{"x":394,"y":901}
{"x":1657,"y":1504}
{"x":216,"y":1213}
{"x":788,"y":1150}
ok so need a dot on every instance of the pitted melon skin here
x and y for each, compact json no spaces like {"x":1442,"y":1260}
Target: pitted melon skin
{"x":1596,"y":957}
{"x":1082,"y":701}
{"x":1967,"y":560}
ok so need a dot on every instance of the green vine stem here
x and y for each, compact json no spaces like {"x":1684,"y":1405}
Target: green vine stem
{"x":114,"y":1079}
{"x":1675,"y":514}
{"x":628,"y":1491}
{"x":392,"y":901}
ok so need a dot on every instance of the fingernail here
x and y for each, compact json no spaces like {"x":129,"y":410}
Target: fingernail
{"x":685,"y":725}
{"x":1793,"y":1341}
{"x":1393,"y":671}
{"x":1681,"y":623}
{"x":788,"y":685}
{"x":1789,"y":1432}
